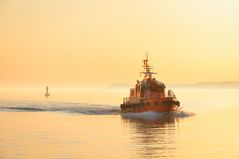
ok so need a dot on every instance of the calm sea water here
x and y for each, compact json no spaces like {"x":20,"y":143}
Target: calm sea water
{"x":207,"y":127}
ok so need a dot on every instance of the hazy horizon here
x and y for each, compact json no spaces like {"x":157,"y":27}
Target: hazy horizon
{"x":101,"y":94}
{"x":90,"y":47}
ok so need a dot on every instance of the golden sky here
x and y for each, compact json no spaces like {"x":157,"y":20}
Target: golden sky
{"x":95,"y":42}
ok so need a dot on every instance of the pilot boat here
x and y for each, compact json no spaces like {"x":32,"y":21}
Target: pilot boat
{"x":149,"y":94}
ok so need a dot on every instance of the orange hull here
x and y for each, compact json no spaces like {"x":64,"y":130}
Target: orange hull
{"x":140,"y":107}
{"x":159,"y":109}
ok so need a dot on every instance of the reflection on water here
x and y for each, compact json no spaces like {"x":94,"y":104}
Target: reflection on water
{"x":153,"y":137}
{"x":50,"y":130}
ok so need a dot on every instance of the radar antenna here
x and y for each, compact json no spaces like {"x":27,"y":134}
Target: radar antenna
{"x":147,"y":73}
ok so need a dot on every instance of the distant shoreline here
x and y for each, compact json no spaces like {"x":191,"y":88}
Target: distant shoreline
{"x":223,"y":84}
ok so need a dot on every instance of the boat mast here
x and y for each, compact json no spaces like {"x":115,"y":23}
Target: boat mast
{"x":147,"y":73}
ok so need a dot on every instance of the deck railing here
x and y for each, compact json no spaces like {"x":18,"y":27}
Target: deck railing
{"x":132,"y":100}
{"x":127,"y":100}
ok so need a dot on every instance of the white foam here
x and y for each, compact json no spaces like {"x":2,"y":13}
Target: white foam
{"x":156,"y":115}
{"x":83,"y":108}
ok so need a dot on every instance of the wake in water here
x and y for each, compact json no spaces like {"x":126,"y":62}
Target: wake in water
{"x":83,"y":108}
